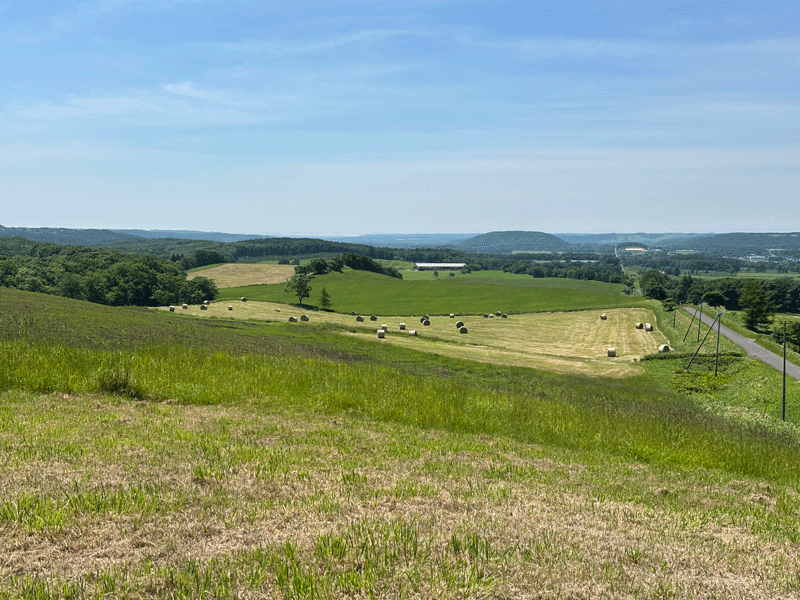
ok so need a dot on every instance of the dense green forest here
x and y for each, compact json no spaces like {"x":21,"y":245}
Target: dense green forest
{"x":98,"y":275}
{"x":696,"y":263}
{"x":773,"y":295}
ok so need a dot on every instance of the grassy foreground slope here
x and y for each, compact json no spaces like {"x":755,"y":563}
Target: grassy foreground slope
{"x":232,"y":461}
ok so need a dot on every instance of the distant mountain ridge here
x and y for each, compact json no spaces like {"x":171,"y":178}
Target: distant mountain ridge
{"x":648,"y":239}
{"x":496,"y":242}
{"x":742,"y":243}
{"x":506,"y":242}
{"x":405,"y":240}
{"x":211,"y":236}
{"x":67,"y":237}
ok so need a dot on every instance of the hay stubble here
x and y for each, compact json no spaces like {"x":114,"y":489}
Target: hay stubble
{"x":531,"y":524}
{"x":562,"y":342}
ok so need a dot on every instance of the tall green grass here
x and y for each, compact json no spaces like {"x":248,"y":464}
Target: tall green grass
{"x":596,"y":416}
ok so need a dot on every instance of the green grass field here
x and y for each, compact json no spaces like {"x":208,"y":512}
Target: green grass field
{"x":475,"y":293}
{"x":145,"y":454}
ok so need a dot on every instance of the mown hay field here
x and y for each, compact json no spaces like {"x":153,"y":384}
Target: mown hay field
{"x":562,"y":342}
{"x":235,"y":275}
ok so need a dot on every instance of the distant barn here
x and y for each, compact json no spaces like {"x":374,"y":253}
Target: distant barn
{"x":439,"y":266}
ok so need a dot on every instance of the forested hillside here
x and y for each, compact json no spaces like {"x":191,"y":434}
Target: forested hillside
{"x":502,"y":242}
{"x":98,"y":275}
{"x":740,"y":244}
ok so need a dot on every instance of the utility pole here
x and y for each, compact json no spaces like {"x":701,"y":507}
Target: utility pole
{"x":719,"y":326}
{"x":699,"y":321}
{"x":783,"y":403}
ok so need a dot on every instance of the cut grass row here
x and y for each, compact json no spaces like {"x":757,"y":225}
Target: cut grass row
{"x":565,"y":342}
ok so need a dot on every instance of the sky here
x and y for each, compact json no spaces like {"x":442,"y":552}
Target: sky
{"x":347,"y":117}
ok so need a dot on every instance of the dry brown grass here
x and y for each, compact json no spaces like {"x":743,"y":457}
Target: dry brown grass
{"x":563,"y":342}
{"x":554,"y":527}
{"x":238,"y":275}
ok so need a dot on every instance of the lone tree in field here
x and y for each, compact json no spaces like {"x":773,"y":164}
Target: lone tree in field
{"x":325,"y":299}
{"x":300,"y":285}
{"x":758,"y":310}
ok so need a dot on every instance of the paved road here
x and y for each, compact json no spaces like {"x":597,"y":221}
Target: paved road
{"x":752,"y":349}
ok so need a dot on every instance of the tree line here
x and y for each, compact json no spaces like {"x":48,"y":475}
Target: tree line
{"x":99,"y":275}
{"x":758,"y":299}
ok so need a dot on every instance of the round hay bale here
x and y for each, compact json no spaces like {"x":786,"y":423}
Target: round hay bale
{"x":648,"y":327}
{"x":452,"y":315}
{"x":244,"y":299}
{"x":426,"y":322}
{"x":462,"y":329}
{"x":205,"y":302}
{"x":360,"y":319}
{"x":185,"y":306}
{"x":505,"y":316}
{"x":611,"y":351}
{"x":171,"y":309}
{"x":373,"y":318}
{"x":230,"y":307}
{"x":353,"y":314}
{"x":603,"y":317}
{"x":640,"y":326}
{"x":491,"y":316}
{"x":663,"y":348}
{"x":498,"y":313}
{"x":402,"y":325}
{"x":412,"y":332}
{"x":277,"y":310}
{"x":204,"y":307}
{"x":292,"y":319}
{"x":460,"y":324}
{"x":422,"y":319}
{"x":381,"y":334}
{"x":304,"y":317}
{"x":384,"y":326}
{"x":485,"y":315}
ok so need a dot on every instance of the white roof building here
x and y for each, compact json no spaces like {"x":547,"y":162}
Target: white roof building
{"x":441,"y":265}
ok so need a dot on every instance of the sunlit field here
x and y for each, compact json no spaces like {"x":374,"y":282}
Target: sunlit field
{"x":221,"y":454}
{"x":569,"y":342}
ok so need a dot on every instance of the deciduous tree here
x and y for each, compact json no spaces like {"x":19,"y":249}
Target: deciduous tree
{"x":300,"y":285}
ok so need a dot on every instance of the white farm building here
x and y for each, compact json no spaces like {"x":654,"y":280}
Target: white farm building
{"x":440,"y":266}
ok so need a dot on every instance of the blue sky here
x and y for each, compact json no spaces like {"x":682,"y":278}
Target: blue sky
{"x":421,"y":116}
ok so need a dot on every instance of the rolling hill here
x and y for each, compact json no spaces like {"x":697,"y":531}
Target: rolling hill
{"x":506,"y":242}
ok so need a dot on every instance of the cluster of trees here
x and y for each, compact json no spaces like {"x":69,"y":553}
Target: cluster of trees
{"x":200,"y":258}
{"x":686,"y":263}
{"x":605,"y":268}
{"x":700,"y":262}
{"x":300,"y":282}
{"x":792,"y":335}
{"x":101,"y":276}
{"x":759,"y":299}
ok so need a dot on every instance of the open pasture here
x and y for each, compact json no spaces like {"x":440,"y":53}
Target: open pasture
{"x":563,"y":342}
{"x":234,"y":274}
{"x":475,"y":293}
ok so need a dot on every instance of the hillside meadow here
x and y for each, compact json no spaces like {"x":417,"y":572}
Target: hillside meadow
{"x":476,"y":293}
{"x":147,"y":454}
